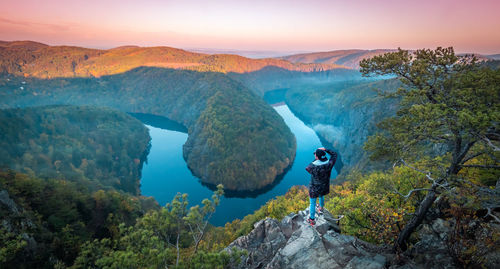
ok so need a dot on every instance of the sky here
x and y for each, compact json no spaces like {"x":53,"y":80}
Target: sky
{"x":266,"y":25}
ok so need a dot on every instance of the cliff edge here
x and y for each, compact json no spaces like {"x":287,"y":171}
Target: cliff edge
{"x":293,"y":243}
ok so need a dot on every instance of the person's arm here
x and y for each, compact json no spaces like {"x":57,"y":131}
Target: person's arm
{"x":308,"y":168}
{"x":333,"y":155}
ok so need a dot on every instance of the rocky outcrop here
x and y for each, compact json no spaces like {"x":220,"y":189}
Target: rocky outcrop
{"x":469,"y":240}
{"x":293,"y":243}
{"x":13,"y":220}
{"x":431,"y":249}
{"x":8,"y":203}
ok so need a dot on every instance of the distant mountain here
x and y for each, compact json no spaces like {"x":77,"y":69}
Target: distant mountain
{"x":29,"y":45}
{"x":38,"y":60}
{"x":351,"y":58}
{"x":493,"y":56}
{"x":480,"y":57}
{"x":254,"y":54}
{"x":346,"y":58}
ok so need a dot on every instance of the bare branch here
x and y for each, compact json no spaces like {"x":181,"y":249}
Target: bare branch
{"x":340,"y":217}
{"x":488,"y":141}
{"x":427,"y":175}
{"x":410,"y":192}
{"x":493,"y":134}
{"x":192,"y":231}
{"x":490,"y":213}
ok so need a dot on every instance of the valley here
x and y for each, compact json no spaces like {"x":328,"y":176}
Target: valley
{"x":166,"y":168}
{"x":156,"y":156}
{"x":211,"y":106}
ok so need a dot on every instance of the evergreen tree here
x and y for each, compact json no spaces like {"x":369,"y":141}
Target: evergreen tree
{"x":448,"y":116}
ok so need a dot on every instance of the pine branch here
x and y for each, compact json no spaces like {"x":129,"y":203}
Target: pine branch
{"x":481,"y":166}
{"x":466,"y":150}
{"x":473,"y":156}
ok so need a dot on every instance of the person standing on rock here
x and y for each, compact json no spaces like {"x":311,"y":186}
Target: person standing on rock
{"x":320,"y":170}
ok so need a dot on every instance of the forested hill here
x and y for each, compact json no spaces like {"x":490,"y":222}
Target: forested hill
{"x":100,"y":147}
{"x":235,"y":138}
{"x":38,"y":60}
{"x":351,"y":58}
{"x":346,"y":58}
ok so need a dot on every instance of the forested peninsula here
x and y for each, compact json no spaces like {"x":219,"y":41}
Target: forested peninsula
{"x":235,"y":138}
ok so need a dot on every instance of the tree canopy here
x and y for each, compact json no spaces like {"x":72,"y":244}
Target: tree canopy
{"x":447,"y":122}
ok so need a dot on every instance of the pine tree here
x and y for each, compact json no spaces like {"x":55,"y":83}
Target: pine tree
{"x":448,"y":115}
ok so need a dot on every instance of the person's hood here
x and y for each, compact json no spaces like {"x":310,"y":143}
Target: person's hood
{"x":318,"y":162}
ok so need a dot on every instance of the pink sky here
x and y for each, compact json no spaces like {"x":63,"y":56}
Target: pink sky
{"x":279,"y":25}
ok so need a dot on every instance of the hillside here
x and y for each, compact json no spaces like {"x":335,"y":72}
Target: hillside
{"x":346,"y":58}
{"x":96,"y":146}
{"x":46,"y":222}
{"x":274,"y":78}
{"x":166,"y":82}
{"x":344,"y":114}
{"x":28,"y":45}
{"x":494,"y":56}
{"x":235,"y":138}
{"x":41,"y":61}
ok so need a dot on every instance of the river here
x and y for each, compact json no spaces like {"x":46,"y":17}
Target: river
{"x":166,"y":173}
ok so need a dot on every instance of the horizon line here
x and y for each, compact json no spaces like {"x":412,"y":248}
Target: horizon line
{"x":221,"y":49}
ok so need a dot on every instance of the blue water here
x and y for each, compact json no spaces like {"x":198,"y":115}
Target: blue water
{"x":166,"y":172}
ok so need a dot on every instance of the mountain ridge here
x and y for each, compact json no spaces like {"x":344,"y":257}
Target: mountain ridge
{"x":39,"y":60}
{"x":349,"y":58}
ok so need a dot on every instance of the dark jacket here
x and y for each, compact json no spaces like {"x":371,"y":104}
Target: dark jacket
{"x":320,"y":175}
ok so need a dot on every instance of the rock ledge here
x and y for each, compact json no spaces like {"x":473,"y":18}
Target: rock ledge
{"x":293,"y":243}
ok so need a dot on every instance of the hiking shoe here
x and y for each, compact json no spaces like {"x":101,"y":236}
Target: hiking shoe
{"x":319,"y":209}
{"x":311,"y":221}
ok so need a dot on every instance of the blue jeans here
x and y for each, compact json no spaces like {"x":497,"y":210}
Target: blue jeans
{"x":312,"y":207}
